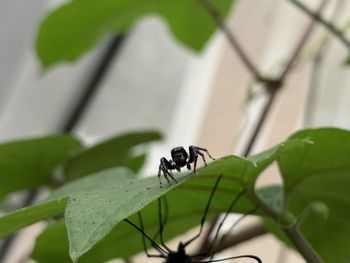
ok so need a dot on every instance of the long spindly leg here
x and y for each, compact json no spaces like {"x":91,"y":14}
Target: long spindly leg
{"x":161,"y":223}
{"x":234,"y":201}
{"x":163,"y":253}
{"x":165,"y":218}
{"x":237,"y":222}
{"x":205,"y":212}
{"x":256,"y":258}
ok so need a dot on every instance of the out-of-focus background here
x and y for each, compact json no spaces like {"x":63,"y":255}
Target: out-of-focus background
{"x":155,"y":82}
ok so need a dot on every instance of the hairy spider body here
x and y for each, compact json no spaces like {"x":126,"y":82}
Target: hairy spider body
{"x":179,"y":159}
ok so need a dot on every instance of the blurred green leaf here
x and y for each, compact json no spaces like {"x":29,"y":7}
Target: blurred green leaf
{"x":56,"y":202}
{"x":118,"y":151}
{"x":75,"y":27}
{"x":31,"y":163}
{"x":347,"y":62}
{"x":19,"y":219}
{"x":320,"y":173}
{"x":51,"y":243}
{"x":135,"y":163}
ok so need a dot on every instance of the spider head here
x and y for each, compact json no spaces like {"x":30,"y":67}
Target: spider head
{"x":179,"y":156}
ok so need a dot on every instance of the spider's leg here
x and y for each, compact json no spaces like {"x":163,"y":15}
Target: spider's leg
{"x":195,"y":164}
{"x":159,"y":175}
{"x":256,"y":258}
{"x":202,"y":155}
{"x":205,"y":212}
{"x":163,"y":253}
{"x":237,"y":222}
{"x":166,"y":168}
{"x":161,"y":225}
{"x":193,"y":157}
{"x":234,"y":201}
{"x":204,"y":150}
{"x":171,"y":176}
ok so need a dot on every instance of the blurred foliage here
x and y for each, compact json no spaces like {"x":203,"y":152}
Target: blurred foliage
{"x":74,"y":28}
{"x":27,"y":164}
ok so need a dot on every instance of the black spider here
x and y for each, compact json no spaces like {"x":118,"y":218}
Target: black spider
{"x":180,"y":255}
{"x":180,"y":159}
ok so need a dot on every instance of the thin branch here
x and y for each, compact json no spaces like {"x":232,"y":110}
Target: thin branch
{"x":218,"y":19}
{"x":262,"y":119}
{"x":304,"y":38}
{"x":332,"y":28}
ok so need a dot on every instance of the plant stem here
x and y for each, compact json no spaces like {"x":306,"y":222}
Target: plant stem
{"x":333,"y":29}
{"x":302,"y":245}
{"x":218,"y":19}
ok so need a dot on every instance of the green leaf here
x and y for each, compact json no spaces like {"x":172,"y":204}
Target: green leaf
{"x":91,"y":216}
{"x":272,"y":196}
{"x":320,"y":173}
{"x":111,"y":176}
{"x":99,"y":211}
{"x":77,"y":26}
{"x":31,"y":163}
{"x":19,"y":219}
{"x":51,"y":243}
{"x":56,"y":203}
{"x":118,"y":151}
{"x":112,"y":204}
{"x":135,"y":163}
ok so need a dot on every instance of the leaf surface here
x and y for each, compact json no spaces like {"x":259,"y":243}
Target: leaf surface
{"x":320,"y":173}
{"x":91,"y":216}
{"x":30,"y":163}
{"x":56,"y":203}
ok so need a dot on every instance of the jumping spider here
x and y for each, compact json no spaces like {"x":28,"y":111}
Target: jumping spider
{"x":179,"y":159}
